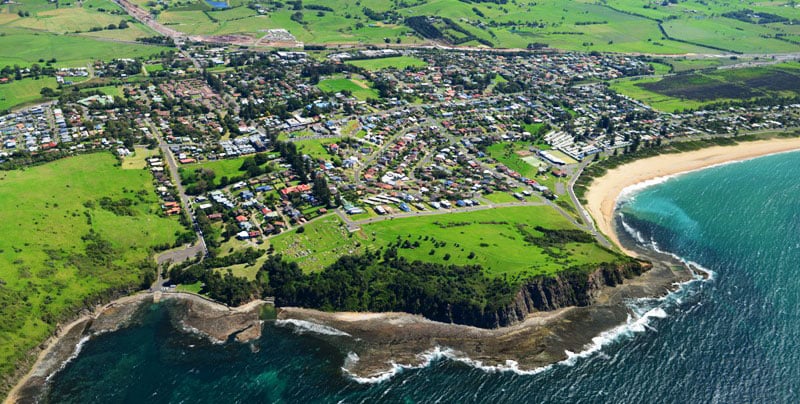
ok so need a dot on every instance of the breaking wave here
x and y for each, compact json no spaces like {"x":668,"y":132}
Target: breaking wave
{"x":302,"y":326}
{"x":75,"y":353}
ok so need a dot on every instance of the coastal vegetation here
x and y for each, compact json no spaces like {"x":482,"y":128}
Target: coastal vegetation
{"x":75,"y":232}
{"x":466,"y":268}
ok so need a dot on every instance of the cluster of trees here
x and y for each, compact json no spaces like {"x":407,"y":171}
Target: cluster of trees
{"x":157,"y":40}
{"x":301,"y":166}
{"x":448,"y":293}
{"x":123,"y":24}
{"x":753,"y":17}
{"x":225,"y":287}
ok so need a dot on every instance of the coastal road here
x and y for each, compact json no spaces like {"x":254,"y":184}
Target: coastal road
{"x":581,"y":211}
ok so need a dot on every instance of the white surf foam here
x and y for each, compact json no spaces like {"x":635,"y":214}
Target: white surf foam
{"x":75,"y":353}
{"x":302,"y":326}
{"x":191,"y":330}
{"x":643,"y":312}
{"x":629,"y":192}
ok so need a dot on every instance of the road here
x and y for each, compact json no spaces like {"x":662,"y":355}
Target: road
{"x":188,"y":251}
{"x":145,"y":18}
{"x":581,"y":211}
{"x":354,"y":225}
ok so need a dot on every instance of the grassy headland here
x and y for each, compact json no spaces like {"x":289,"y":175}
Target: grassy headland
{"x":74,"y":232}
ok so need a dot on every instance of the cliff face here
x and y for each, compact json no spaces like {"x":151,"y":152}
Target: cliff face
{"x":551,"y":293}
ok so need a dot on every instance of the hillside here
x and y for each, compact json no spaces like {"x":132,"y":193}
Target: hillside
{"x":675,"y":27}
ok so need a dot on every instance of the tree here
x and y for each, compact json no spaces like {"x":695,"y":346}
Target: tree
{"x":48,"y":92}
{"x":321,"y":191}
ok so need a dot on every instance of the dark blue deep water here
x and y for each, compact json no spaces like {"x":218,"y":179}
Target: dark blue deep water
{"x":732,"y":339}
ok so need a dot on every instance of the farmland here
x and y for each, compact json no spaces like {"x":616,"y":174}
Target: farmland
{"x":692,"y":26}
{"x":74,"y":34}
{"x":697,"y":89}
{"x":23,"y":47}
{"x":88,"y":250}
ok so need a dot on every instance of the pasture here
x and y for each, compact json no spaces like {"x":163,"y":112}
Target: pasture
{"x":23,"y":91}
{"x":24,"y":48}
{"x":62,"y":247}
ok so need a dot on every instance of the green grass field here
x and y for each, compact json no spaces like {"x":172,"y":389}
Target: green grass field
{"x":23,"y":91}
{"x":25,"y":47}
{"x":661,"y":102}
{"x":223,"y":168}
{"x":612,"y":25}
{"x":113,"y":91}
{"x":319,"y":245}
{"x":492,"y":236}
{"x":359,"y":88}
{"x":615,"y":25}
{"x":46,"y":269}
{"x":505,"y":153}
{"x":315,"y":148}
{"x":398,"y":62}
{"x":138,"y":160}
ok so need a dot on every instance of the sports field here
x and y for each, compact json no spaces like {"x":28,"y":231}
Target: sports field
{"x":398,"y":62}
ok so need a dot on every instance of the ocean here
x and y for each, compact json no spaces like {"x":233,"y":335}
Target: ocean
{"x":732,"y":338}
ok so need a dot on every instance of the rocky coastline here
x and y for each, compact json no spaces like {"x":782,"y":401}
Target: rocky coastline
{"x":190,"y":312}
{"x":377,"y":344}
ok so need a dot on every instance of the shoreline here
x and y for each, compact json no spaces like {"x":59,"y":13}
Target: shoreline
{"x":379,"y":345}
{"x":604,"y":192}
{"x":211,"y":319}
{"x":386,"y":342}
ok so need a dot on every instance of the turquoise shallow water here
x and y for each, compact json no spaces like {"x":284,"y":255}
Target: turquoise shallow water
{"x":733,"y":339}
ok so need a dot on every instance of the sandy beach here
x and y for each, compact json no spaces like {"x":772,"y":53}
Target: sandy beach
{"x":602,"y":196}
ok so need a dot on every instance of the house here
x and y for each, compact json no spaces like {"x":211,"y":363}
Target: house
{"x":296,"y":189}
